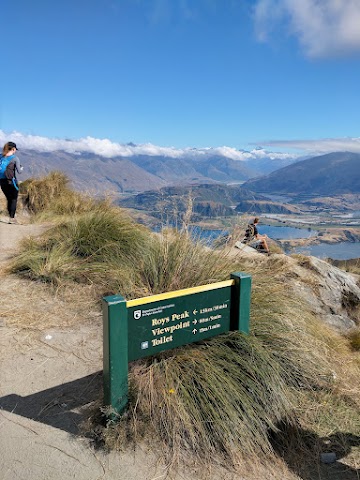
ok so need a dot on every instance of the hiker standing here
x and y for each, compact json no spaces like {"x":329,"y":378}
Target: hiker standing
{"x":9,"y":166}
{"x":253,"y":238}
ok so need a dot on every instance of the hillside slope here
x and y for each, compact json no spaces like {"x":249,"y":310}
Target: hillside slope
{"x":90,"y":173}
{"x":330,"y":174}
{"x":98,"y":174}
{"x":208,"y":200}
{"x":51,"y":369}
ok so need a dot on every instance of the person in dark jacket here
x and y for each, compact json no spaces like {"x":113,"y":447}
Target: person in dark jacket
{"x":8,"y":181}
{"x":254,"y":239}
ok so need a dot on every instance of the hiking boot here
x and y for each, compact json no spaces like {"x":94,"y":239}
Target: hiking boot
{"x":14,"y":221}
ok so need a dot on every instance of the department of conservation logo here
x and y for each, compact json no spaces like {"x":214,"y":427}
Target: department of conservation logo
{"x":137,"y":314}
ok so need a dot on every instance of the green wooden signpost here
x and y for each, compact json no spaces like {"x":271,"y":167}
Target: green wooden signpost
{"x":142,"y":327}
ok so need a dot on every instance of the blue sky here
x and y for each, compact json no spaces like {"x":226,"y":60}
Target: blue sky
{"x":181,"y":74}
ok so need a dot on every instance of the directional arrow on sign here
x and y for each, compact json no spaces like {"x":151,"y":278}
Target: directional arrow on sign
{"x":194,"y":331}
{"x":195,"y":311}
{"x":195,"y":322}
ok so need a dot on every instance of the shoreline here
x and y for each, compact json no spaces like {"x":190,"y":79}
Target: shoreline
{"x":329,"y":236}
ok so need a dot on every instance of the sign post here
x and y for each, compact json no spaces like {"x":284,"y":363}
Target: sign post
{"x":115,"y":352}
{"x":146,"y":326}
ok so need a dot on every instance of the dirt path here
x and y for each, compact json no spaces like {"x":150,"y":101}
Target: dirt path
{"x":50,"y":369}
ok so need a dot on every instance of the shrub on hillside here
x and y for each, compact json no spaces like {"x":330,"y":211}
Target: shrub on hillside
{"x":52,"y":194}
{"x":220,"y":399}
{"x":99,"y":247}
{"x":354,"y":338}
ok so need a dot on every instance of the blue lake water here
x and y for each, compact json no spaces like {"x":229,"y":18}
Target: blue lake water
{"x":207,"y":235}
{"x":336,"y":251}
{"x":285,"y":233}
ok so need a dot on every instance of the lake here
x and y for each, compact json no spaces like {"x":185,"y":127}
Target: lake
{"x":336,"y":251}
{"x":285,"y":233}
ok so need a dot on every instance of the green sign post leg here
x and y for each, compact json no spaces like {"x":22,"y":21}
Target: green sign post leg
{"x":115,"y":356}
{"x":240,"y":302}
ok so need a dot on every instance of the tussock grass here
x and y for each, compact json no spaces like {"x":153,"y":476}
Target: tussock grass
{"x":209,"y":399}
{"x":51,"y":196}
{"x":351,"y":266}
{"x":354,"y":338}
{"x":99,"y":247}
{"x":216,"y":401}
{"x":228,"y":375}
{"x":176,"y":261}
{"x":219,"y":400}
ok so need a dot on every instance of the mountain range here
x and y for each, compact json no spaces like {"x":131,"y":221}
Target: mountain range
{"x":138,"y":173}
{"x":330,"y":174}
{"x":327,"y":175}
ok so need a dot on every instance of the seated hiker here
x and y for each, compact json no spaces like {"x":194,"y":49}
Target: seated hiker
{"x":254,"y":239}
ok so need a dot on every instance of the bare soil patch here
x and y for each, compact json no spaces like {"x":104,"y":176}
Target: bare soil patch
{"x":51,"y":369}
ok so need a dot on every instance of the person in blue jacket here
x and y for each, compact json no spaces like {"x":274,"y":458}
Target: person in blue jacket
{"x":8,"y":182}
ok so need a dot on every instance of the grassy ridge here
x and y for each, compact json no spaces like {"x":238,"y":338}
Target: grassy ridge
{"x":214,"y":401}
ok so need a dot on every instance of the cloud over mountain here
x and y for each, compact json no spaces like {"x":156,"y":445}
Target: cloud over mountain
{"x":107,"y":148}
{"x":324,"y":145}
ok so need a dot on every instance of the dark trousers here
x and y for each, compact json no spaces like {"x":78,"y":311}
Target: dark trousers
{"x":11,"y":194}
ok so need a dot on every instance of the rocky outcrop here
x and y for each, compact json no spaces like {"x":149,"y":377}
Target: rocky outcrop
{"x":333,"y":295}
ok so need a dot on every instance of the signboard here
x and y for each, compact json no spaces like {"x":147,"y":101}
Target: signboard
{"x":146,"y":326}
{"x":172,"y":322}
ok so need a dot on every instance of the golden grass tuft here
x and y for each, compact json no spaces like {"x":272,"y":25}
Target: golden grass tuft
{"x":51,"y":196}
{"x":354,"y":338}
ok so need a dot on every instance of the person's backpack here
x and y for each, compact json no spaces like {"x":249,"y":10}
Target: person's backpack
{"x":4,"y":162}
{"x":249,"y":233}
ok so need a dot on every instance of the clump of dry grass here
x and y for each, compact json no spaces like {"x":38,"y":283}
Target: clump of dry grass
{"x":219,"y":400}
{"x":221,"y":397}
{"x":51,"y":196}
{"x":175,"y":260}
{"x":210,"y":399}
{"x":351,"y":266}
{"x":211,"y":402}
{"x":354,"y":338}
{"x":98,"y":247}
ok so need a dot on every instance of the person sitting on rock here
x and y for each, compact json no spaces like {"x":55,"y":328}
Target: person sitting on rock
{"x":254,"y":239}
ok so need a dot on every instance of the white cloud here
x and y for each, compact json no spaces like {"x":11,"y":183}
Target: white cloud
{"x":321,"y":146}
{"x":103,"y":147}
{"x":324,"y":28}
{"x":109,"y":149}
